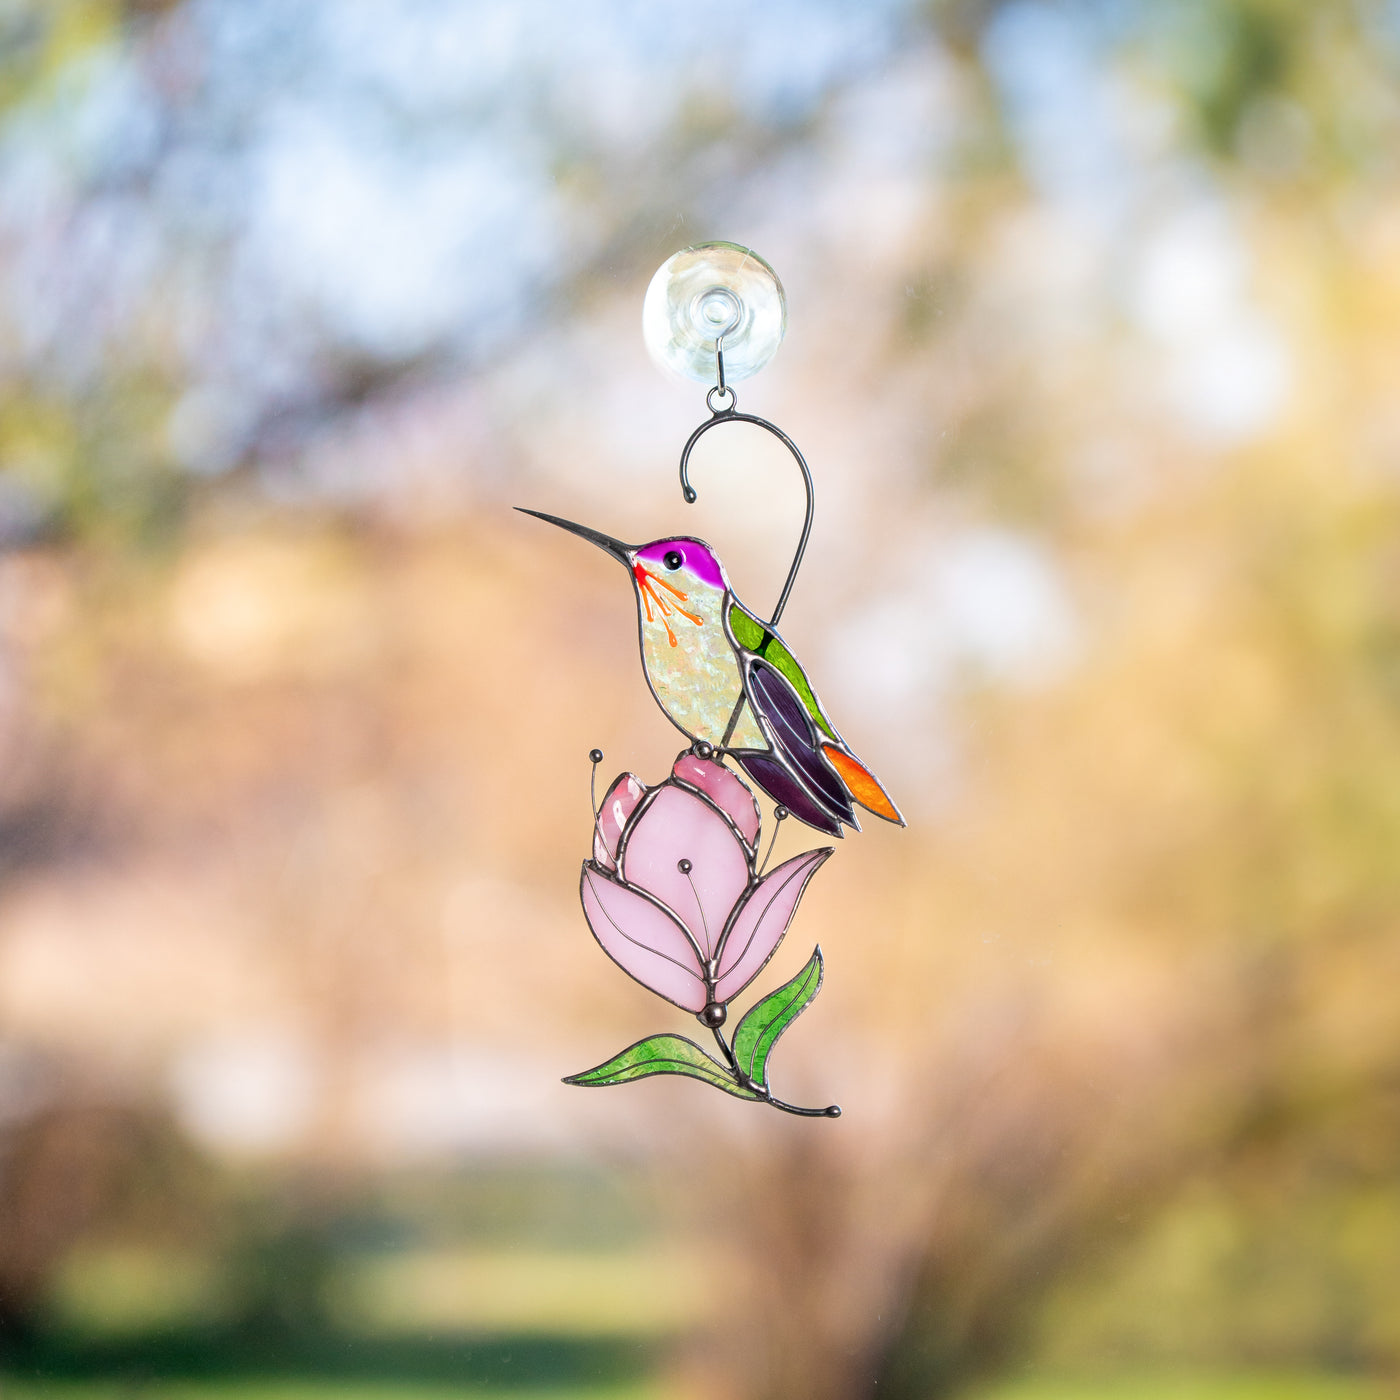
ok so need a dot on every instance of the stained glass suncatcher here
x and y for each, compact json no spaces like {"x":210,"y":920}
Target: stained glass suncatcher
{"x":676,"y":891}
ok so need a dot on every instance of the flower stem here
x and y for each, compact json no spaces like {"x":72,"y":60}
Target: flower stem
{"x":831,"y":1111}
{"x":728,"y":1053}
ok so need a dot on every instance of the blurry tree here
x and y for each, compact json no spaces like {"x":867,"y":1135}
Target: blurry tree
{"x":1249,"y":749}
{"x":84,"y":1161}
{"x":1217,"y":790}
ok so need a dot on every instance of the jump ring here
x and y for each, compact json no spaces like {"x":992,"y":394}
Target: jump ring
{"x":729,"y":407}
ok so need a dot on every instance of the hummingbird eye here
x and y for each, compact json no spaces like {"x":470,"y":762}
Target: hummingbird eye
{"x":674,"y":559}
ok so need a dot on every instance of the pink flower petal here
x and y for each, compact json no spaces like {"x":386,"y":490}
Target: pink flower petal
{"x":619,"y":803}
{"x":729,"y":793}
{"x":677,"y":826}
{"x":642,"y":939}
{"x":762,"y":920}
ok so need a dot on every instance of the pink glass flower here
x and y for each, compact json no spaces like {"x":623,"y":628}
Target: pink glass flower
{"x":673,"y":893}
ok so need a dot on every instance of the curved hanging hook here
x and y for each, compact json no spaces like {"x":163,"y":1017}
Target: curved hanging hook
{"x":730,"y":414}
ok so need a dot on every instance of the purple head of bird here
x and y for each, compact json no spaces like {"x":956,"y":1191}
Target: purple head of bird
{"x":691,"y":561}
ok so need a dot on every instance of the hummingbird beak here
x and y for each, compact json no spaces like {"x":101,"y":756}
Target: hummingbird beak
{"x":616,"y":548}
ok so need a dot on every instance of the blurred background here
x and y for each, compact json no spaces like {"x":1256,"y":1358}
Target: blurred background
{"x":1093,"y":345}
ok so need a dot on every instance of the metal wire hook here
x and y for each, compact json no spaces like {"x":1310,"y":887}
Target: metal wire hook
{"x":736,"y":316}
{"x":730,"y":414}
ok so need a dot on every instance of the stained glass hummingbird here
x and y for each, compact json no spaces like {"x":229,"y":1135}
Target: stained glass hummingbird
{"x":724,"y":677}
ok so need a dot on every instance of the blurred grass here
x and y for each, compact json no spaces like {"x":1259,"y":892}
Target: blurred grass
{"x":490,"y":1281}
{"x":1191,"y":1386}
{"x":130,"y":1291}
{"x":297,"y":1390}
{"x":560,"y":1294}
{"x":387,"y":1322}
{"x":217,"y":1360}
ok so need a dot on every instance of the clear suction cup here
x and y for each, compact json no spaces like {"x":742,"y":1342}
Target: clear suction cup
{"x":708,"y":291}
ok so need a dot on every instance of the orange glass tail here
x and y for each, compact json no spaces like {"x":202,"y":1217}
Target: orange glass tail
{"x":863,"y":785}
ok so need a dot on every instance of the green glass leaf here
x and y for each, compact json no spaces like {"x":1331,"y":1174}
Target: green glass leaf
{"x":758,"y":1032}
{"x":662,"y":1054}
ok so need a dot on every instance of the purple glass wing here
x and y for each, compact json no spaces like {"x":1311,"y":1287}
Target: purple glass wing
{"x":773,"y":697}
{"x":770,"y":774}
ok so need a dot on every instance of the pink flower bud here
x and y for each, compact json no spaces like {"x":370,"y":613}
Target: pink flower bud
{"x":673,"y":893}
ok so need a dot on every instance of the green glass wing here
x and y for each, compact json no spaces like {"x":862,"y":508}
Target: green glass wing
{"x":748,"y":631}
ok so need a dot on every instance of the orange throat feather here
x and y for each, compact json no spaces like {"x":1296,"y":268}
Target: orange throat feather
{"x":647,"y":585}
